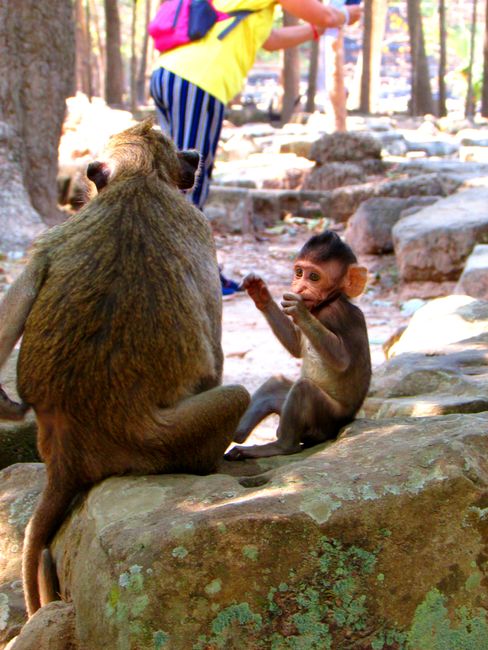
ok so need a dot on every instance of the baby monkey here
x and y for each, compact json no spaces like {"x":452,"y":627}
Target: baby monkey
{"x":319,"y":324}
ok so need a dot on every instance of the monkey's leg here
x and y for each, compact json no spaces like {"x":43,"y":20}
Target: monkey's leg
{"x":199,"y":429}
{"x":269,"y":398}
{"x":307,"y":414}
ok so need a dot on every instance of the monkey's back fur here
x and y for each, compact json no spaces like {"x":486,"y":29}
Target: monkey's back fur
{"x":128,"y":317}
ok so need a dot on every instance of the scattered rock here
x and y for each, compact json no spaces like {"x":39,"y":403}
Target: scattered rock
{"x":443,"y":321}
{"x":419,"y":384}
{"x":435,"y":243}
{"x":345,"y":147}
{"x":369,"y":229}
{"x":474,"y":278}
{"x":51,"y":628}
{"x":20,"y":486}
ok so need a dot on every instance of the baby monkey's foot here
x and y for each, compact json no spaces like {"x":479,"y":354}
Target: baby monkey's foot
{"x":260,"y":451}
{"x":10,"y":410}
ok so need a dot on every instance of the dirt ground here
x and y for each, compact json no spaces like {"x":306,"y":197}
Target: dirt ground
{"x":252,"y":354}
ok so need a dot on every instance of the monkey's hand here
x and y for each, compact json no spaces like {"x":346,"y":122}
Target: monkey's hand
{"x":295,"y":308}
{"x":10,"y":410}
{"x":257,"y":290}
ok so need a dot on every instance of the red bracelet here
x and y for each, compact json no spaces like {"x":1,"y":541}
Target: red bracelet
{"x":314,"y":32}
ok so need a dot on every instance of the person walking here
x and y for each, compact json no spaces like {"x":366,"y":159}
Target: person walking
{"x":193,"y":83}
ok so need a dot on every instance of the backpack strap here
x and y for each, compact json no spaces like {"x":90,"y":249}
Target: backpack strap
{"x":238,"y":17}
{"x":177,"y":14}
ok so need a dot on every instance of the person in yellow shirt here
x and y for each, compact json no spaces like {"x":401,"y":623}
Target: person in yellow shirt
{"x":194,"y":82}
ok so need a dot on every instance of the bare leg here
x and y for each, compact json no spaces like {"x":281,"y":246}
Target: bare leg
{"x":308,"y":416}
{"x":269,"y":398}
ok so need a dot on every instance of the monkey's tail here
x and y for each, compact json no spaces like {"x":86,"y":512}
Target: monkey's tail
{"x":48,"y":516}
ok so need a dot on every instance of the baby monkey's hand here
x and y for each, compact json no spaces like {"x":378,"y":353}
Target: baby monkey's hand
{"x":10,"y":410}
{"x":294,"y":307}
{"x":257,"y":290}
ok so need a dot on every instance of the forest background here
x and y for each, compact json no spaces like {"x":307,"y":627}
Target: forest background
{"x":415,"y":56}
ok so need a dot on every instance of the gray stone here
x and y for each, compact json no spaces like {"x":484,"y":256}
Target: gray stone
{"x":369,"y":229}
{"x":474,"y":278}
{"x":51,"y":628}
{"x":434,"y":148}
{"x":452,"y":380}
{"x":20,"y":486}
{"x":392,"y":142}
{"x":435,"y":243}
{"x":345,"y":147}
{"x":441,"y":322}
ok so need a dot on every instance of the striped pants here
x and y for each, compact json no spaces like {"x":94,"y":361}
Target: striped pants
{"x":193,"y":119}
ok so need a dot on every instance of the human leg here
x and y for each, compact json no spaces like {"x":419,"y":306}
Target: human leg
{"x":193,"y":119}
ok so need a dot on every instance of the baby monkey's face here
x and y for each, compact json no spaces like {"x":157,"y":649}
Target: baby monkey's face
{"x":315,"y":281}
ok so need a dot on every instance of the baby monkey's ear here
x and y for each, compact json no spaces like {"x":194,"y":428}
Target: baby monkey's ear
{"x":354,"y":281}
{"x":189,"y":162}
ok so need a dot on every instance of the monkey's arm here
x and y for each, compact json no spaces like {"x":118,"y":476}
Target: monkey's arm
{"x":17,"y":304}
{"x":330,"y":347}
{"x":283,"y":328}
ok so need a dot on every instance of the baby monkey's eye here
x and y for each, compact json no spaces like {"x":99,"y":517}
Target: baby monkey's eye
{"x":315,"y":277}
{"x":298,"y":272}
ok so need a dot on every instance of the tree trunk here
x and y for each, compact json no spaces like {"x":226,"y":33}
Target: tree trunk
{"x":313,"y":67}
{"x":99,"y":69}
{"x":469,"y":110}
{"x":291,"y":75}
{"x":141,"y":77}
{"x":37,"y":70}
{"x":133,"y":58}
{"x":442,"y":110}
{"x":83,"y":68}
{"x":375,"y":12}
{"x":114,"y":72}
{"x":484,"y":96}
{"x":421,"y":99}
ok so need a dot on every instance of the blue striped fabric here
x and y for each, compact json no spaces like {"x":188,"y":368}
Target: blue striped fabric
{"x":193,"y":119}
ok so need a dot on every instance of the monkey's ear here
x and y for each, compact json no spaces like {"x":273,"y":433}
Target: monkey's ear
{"x":355,"y":280}
{"x":143,"y":127}
{"x":189,"y":163}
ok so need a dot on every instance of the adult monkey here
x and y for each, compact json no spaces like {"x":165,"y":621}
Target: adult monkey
{"x":320,"y":324}
{"x":120,"y":310}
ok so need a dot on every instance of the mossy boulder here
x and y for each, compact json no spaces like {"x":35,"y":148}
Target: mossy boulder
{"x":375,"y":542}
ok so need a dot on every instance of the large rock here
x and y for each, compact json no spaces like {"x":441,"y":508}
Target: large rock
{"x":474,"y":278}
{"x":345,"y":147}
{"x":433,"y":244}
{"x":369,"y":229}
{"x":51,"y":628}
{"x":454,"y":379}
{"x":376,"y":541}
{"x":20,"y":486}
{"x":440,"y":322}
{"x":339,"y":204}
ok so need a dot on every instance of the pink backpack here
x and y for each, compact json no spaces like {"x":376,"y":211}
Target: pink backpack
{"x":179,"y":22}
